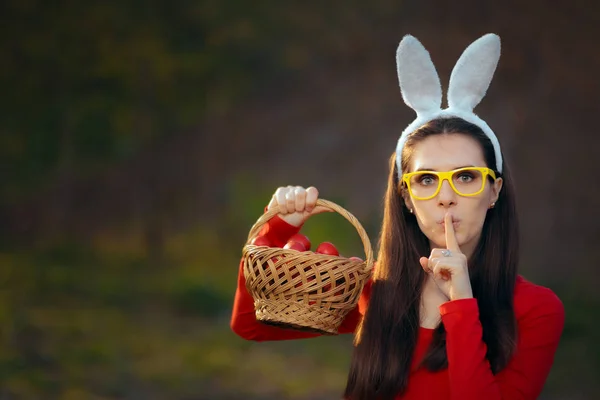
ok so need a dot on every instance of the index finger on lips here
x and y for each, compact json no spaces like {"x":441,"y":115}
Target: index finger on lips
{"x":451,"y":241}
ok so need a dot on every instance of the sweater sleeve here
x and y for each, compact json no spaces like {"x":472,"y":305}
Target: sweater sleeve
{"x":539,"y":331}
{"x":243,"y":319}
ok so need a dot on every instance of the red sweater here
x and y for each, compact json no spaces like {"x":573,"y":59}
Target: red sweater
{"x":540,"y":316}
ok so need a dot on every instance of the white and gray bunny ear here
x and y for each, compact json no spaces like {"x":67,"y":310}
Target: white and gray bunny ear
{"x":473,"y":73}
{"x":419,"y":81}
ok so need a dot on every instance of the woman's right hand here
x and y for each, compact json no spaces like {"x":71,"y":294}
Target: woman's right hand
{"x":296,"y":204}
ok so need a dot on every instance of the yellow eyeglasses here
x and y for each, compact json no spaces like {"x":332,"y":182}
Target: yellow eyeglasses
{"x":469,"y":181}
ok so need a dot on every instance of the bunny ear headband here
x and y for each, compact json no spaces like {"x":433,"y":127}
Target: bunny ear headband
{"x":470,"y":79}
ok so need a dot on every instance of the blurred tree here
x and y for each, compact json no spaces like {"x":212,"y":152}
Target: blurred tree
{"x":87,"y":85}
{"x":90,"y":83}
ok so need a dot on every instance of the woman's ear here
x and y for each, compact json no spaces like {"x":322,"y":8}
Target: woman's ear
{"x":496,"y":188}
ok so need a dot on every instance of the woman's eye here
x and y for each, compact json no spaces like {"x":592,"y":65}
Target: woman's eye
{"x":465,"y":177}
{"x":427,"y":180}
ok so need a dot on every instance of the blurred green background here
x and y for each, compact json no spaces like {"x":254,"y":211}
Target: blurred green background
{"x":140,"y":141}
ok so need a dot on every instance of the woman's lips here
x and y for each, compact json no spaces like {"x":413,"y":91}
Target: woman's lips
{"x":455,"y":223}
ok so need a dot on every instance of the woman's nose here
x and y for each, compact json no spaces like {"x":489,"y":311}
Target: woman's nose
{"x":447,"y":196}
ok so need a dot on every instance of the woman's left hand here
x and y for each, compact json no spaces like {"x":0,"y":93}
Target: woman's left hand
{"x":448,"y":267}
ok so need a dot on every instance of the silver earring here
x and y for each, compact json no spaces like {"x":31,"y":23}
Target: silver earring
{"x":411,"y":210}
{"x":492,"y":205}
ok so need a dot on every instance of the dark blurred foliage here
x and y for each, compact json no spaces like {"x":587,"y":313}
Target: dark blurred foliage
{"x":140,"y":140}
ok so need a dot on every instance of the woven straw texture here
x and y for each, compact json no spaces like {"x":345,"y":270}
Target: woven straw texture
{"x":304,"y":290}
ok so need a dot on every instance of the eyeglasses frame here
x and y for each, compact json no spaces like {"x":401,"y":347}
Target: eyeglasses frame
{"x":447,"y":175}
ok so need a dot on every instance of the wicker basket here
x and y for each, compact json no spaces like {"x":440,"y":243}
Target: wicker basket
{"x":304,"y":290}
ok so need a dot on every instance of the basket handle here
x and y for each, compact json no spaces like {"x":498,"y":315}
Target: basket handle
{"x":334,"y":207}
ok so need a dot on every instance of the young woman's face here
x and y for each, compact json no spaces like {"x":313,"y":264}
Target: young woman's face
{"x":448,"y":152}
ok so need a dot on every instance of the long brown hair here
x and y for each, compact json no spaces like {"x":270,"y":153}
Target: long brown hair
{"x":387,"y":335}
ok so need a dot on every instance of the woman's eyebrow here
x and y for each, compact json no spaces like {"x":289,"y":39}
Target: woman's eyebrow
{"x":433,"y":169}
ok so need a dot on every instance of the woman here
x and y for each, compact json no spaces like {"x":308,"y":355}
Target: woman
{"x":446,"y":315}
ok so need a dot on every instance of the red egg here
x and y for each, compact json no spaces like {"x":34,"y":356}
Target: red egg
{"x":327,"y":248}
{"x":298,"y":237}
{"x":295,"y":246}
